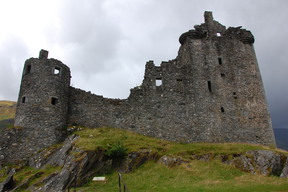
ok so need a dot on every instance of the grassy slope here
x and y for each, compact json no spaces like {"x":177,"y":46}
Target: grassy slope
{"x":195,"y":176}
{"x":152,"y":176}
{"x":7,"y":113}
{"x":7,"y":109}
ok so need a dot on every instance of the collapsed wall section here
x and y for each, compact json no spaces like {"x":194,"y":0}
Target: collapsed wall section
{"x":93,"y":110}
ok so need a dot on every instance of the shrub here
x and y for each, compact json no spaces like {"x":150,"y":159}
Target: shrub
{"x":116,"y":151}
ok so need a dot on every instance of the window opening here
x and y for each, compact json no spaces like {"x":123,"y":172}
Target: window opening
{"x":218,"y":34}
{"x":56,"y":70}
{"x":23,"y":99}
{"x":54,"y":100}
{"x":220,"y":60}
{"x":179,"y":85}
{"x":222,"y":109}
{"x":209,"y":86}
{"x":234,"y":95}
{"x":158,"y":82}
{"x":28,"y":69}
{"x":222,"y":75}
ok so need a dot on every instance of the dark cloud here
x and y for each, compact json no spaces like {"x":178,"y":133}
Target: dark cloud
{"x":106,"y":43}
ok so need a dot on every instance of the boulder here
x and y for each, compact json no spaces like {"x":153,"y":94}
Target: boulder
{"x":284,"y":173}
{"x":260,"y":162}
{"x":170,"y":161}
{"x":136,"y":159}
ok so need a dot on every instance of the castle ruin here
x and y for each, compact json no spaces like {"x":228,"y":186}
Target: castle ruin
{"x":211,"y":92}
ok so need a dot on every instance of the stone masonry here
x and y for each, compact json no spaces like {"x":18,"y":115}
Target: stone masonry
{"x":211,"y":92}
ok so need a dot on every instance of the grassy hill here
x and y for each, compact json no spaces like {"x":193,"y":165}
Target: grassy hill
{"x":192,"y":175}
{"x":197,"y":175}
{"x":7,"y":113}
{"x":7,"y":109}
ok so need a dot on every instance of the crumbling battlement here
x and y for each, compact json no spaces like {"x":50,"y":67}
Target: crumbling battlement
{"x":211,"y":92}
{"x":212,"y":29}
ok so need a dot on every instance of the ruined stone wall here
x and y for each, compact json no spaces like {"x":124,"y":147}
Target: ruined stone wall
{"x":212,"y":92}
{"x":96,"y":111}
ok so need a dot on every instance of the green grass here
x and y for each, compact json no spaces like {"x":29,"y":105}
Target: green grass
{"x":27,"y":176}
{"x":7,"y":114}
{"x":196,"y":176}
{"x":91,"y":139}
{"x":7,"y":110}
{"x":152,"y":176}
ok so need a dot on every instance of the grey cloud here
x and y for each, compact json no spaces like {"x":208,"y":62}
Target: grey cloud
{"x":12,"y":52}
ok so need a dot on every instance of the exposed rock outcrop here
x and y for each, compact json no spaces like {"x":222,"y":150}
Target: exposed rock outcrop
{"x":8,"y":183}
{"x":76,"y":166}
{"x":284,"y":173}
{"x":261,"y":162}
{"x":136,"y":159}
{"x":255,"y":162}
{"x":171,"y":161}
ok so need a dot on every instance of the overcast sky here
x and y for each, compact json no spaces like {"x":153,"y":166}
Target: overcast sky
{"x":106,"y":43}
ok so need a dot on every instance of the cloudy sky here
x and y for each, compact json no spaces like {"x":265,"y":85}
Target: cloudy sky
{"x":106,"y":43}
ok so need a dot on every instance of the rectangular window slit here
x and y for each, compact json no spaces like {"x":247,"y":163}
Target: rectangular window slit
{"x":158,"y":82}
{"x":56,"y":70}
{"x":222,"y":109}
{"x":54,"y":100}
{"x":218,"y":34}
{"x":220,"y":60}
{"x":28,"y":69}
{"x":23,"y":99}
{"x":209,"y":86}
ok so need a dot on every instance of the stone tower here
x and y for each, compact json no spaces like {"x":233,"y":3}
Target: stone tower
{"x":43,"y":99}
{"x":212,"y":91}
{"x":225,"y":84}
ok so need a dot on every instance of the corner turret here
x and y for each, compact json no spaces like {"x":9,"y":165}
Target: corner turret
{"x":43,"y":100}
